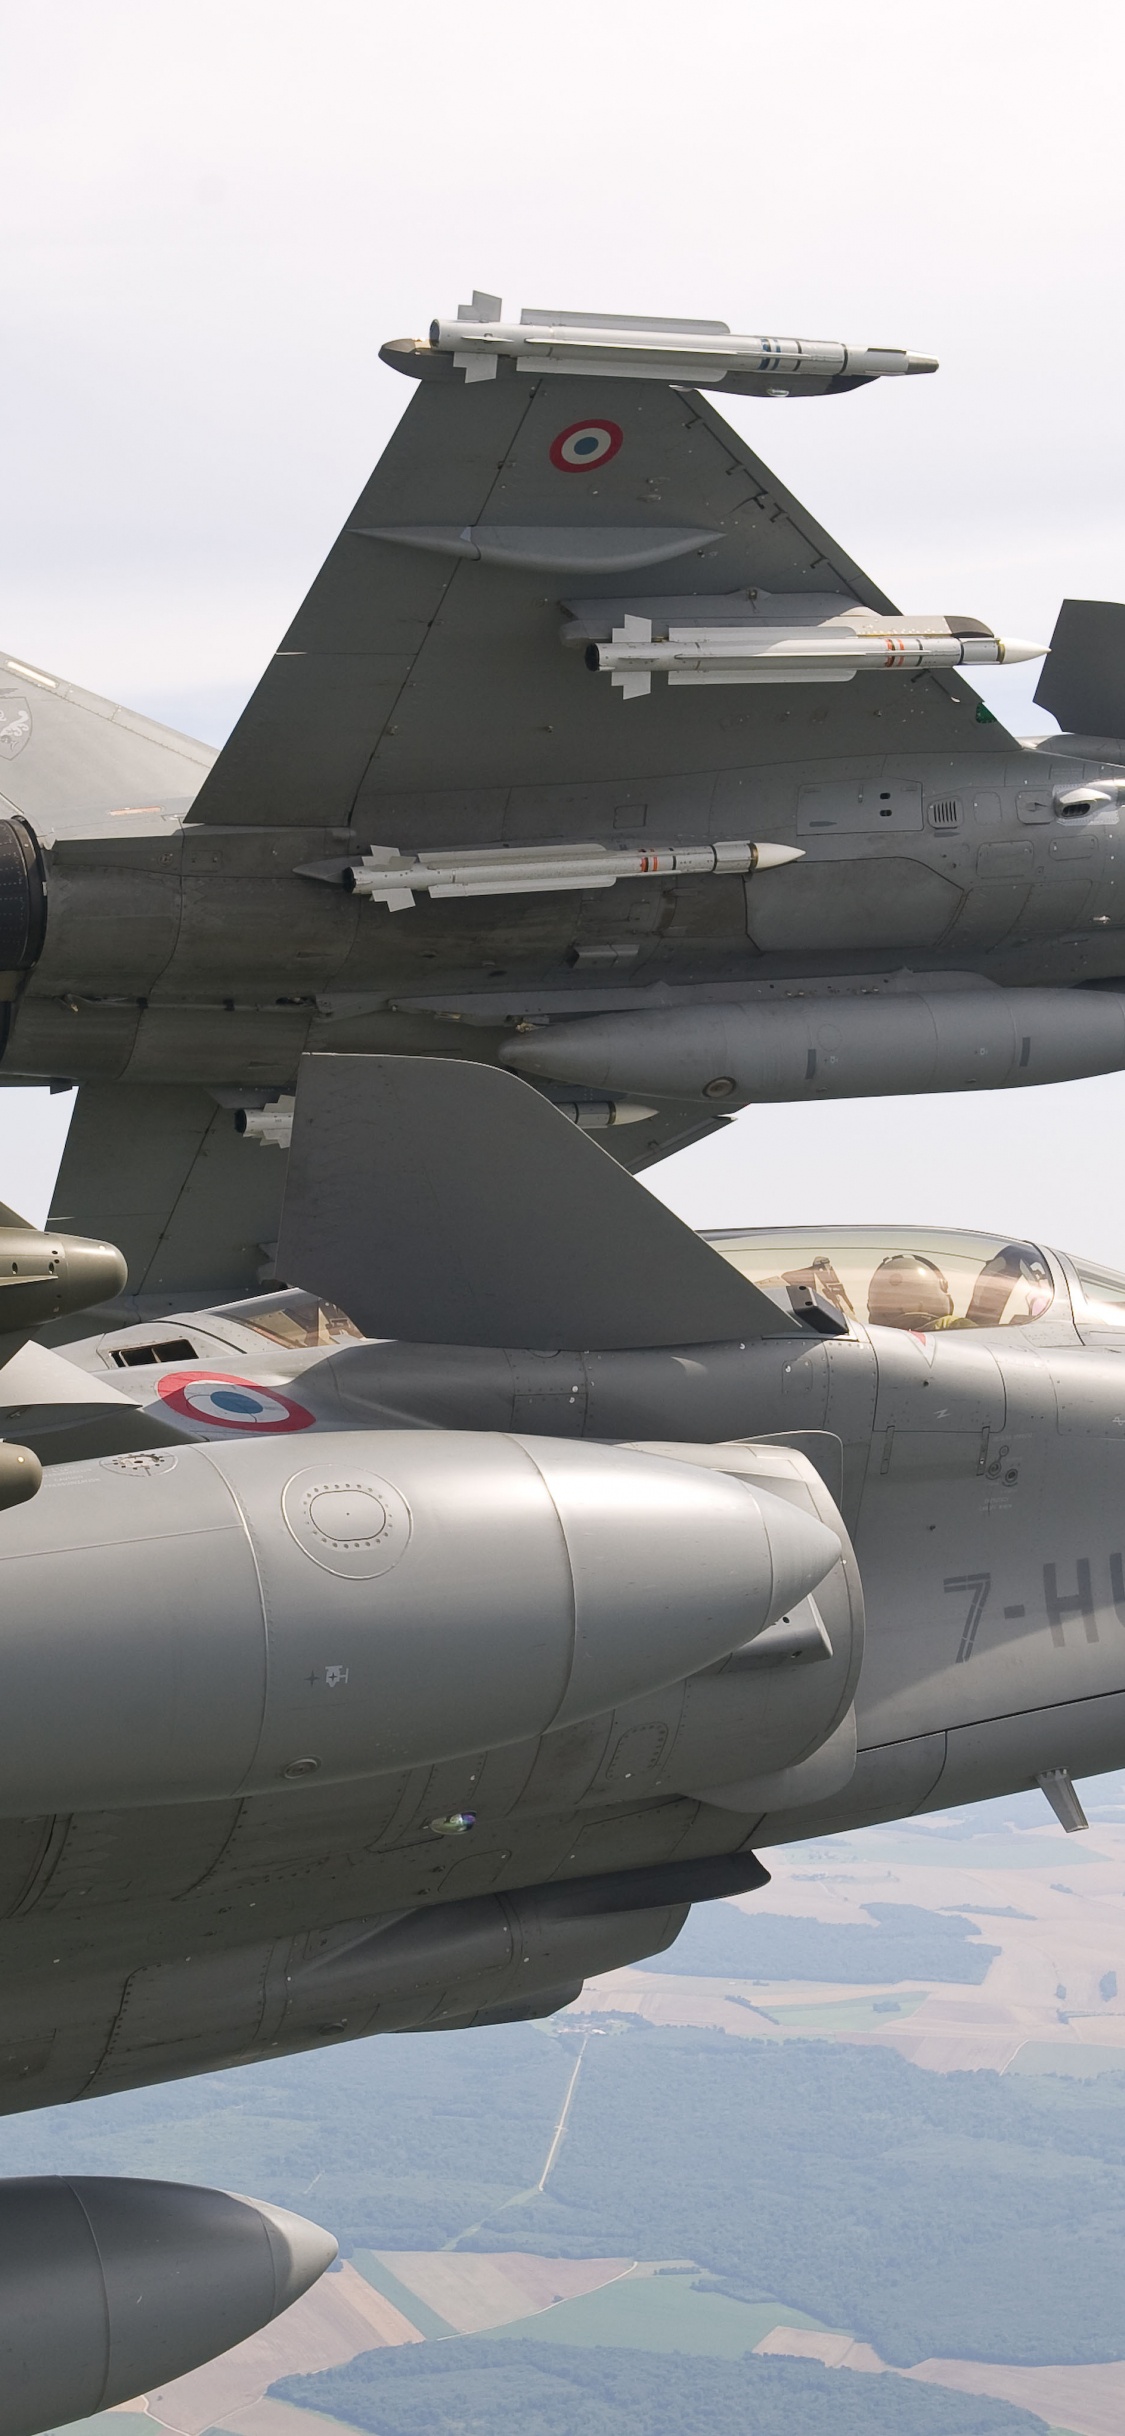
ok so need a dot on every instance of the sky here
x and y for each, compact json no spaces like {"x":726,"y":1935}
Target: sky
{"x":215,"y":213}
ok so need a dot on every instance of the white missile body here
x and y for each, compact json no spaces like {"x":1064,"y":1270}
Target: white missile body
{"x":394,"y":879}
{"x":761,"y":654}
{"x":701,"y":354}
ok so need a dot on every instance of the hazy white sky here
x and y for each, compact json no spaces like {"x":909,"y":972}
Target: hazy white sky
{"x":214,"y":213}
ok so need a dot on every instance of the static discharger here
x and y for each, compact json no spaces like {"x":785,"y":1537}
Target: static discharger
{"x":830,"y":654}
{"x":700,"y":354}
{"x":396,"y":880}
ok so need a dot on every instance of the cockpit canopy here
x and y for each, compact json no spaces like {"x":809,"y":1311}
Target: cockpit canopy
{"x":911,"y":1277}
{"x":903,"y":1277}
{"x":300,"y":1322}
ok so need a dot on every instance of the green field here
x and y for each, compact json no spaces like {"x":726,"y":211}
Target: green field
{"x":304,"y":2423}
{"x":104,"y":2423}
{"x":656,"y":2313}
{"x":847,"y":2012}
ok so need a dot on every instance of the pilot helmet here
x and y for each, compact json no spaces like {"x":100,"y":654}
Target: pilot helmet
{"x":908,"y":1291}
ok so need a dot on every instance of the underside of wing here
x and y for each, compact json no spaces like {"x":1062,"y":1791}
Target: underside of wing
{"x":424,"y":690}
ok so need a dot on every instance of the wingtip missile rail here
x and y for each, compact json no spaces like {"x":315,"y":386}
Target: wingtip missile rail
{"x":694,"y":354}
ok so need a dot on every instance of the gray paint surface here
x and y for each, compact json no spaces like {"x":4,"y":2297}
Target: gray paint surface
{"x":145,"y":2281}
{"x":448,"y":1203}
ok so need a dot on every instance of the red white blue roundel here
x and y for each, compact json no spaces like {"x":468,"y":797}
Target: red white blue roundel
{"x":583,"y":445}
{"x":221,"y":1401}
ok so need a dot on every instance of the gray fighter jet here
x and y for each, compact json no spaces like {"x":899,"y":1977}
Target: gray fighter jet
{"x":589,"y":753}
{"x":418,"y":1639}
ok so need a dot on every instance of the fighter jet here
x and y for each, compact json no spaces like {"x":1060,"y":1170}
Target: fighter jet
{"x":590,"y":754}
{"x":397,"y":1648}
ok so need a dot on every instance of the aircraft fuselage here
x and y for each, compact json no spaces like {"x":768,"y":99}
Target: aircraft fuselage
{"x":186,"y":954}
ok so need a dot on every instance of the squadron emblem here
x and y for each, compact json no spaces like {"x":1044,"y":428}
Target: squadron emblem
{"x":15,"y":725}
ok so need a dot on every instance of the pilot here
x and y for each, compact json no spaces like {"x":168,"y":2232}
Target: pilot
{"x":1013,"y":1265}
{"x":909,"y":1291}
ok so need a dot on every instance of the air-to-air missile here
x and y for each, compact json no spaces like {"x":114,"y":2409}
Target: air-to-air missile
{"x":831,"y":653}
{"x":391,"y":878}
{"x":698,"y":354}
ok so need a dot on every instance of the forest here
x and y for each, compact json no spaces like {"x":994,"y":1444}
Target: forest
{"x":918,"y":2209}
{"x":474,"y":2387}
{"x":722,"y":1942}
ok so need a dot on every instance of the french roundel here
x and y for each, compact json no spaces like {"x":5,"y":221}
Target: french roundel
{"x":221,"y":1401}
{"x":583,"y":445}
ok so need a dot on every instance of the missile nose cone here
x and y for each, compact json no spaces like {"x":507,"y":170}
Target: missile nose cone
{"x":771,"y":858}
{"x":802,"y":1550}
{"x":1009,"y":647}
{"x":300,"y":2250}
{"x":89,"y":1273}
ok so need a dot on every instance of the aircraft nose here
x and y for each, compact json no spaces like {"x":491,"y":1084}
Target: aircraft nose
{"x":89,"y":1273}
